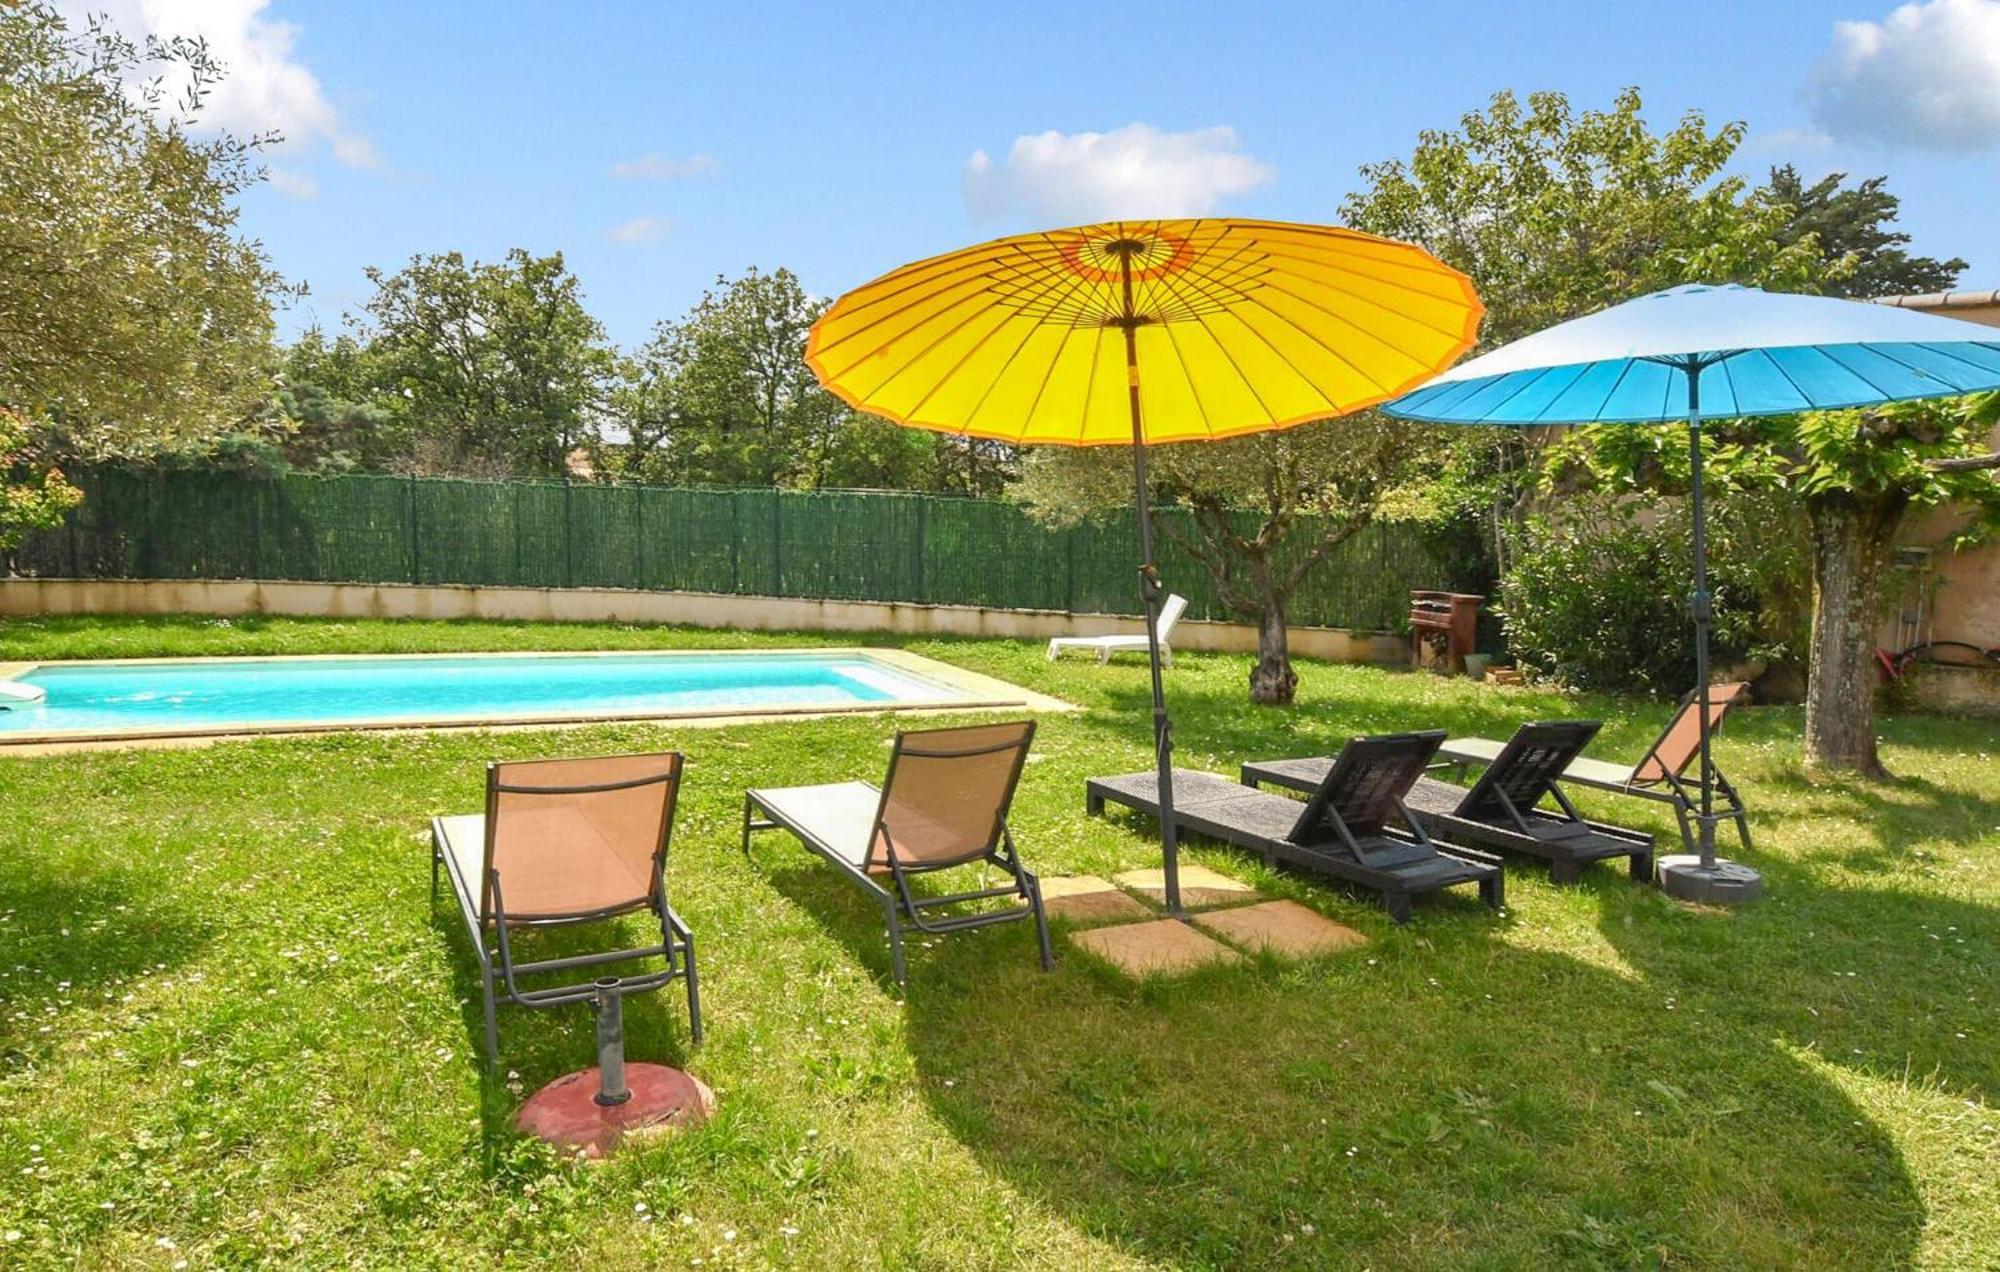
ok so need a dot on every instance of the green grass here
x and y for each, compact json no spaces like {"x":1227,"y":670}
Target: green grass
{"x":234,"y":1032}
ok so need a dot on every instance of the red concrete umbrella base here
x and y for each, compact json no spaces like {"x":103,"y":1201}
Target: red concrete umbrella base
{"x":567,"y":1111}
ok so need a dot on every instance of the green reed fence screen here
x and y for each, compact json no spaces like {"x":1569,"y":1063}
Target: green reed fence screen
{"x":834,"y":545}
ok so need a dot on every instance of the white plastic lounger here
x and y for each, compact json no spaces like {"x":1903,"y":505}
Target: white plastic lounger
{"x":19,"y":693}
{"x":1105,"y":646}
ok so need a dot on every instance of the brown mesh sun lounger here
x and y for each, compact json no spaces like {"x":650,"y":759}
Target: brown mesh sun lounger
{"x":1347,"y":830}
{"x":1502,"y":810}
{"x":1659,"y":774}
{"x":565,"y":842}
{"x":943,"y":804}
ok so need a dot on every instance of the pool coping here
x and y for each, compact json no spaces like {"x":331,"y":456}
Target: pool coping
{"x":974,"y":692}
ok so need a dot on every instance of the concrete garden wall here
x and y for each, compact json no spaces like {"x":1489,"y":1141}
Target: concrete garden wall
{"x":27,"y":597}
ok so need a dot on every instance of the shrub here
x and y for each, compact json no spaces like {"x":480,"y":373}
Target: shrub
{"x":1597,"y":594}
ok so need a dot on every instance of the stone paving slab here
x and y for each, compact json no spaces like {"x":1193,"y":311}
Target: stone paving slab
{"x":1089,"y":899}
{"x":1161,"y":947}
{"x":1200,"y":886}
{"x":1284,"y":928}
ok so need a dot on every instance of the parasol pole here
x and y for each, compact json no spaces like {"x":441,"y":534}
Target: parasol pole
{"x":1703,"y":607}
{"x":1149,"y":594}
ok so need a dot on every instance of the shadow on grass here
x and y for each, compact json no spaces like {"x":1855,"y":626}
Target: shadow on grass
{"x":76,"y":938}
{"x":1441,"y":1097}
{"x":1891,"y":983}
{"x":1450,"y":1095}
{"x":1896,"y":816}
{"x":1522,"y":1109}
{"x":855,"y":920}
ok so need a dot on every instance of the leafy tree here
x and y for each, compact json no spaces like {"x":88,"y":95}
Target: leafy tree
{"x":1265,"y":509}
{"x":1852,"y":225}
{"x":495,"y":365}
{"x":1597,"y":596}
{"x":726,"y":394}
{"x":337,"y":420}
{"x":1858,"y":475}
{"x":870,"y":453}
{"x":1555,"y":213}
{"x":972,"y":466}
{"x":132,"y":315}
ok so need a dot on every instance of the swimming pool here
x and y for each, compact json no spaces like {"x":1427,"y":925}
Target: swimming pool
{"x":196,"y":696}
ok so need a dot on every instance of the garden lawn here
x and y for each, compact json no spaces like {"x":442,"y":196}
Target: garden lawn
{"x":235,"y":1031}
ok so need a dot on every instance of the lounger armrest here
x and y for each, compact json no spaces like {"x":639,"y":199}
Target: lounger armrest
{"x":1469,"y":750}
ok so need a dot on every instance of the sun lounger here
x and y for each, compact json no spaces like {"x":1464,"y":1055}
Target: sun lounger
{"x":1105,"y":646}
{"x":1347,"y":830}
{"x":1502,"y":811}
{"x":1660,"y":773}
{"x":564,"y":842}
{"x":943,"y":804}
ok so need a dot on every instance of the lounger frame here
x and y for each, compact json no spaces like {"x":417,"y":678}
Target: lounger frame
{"x":1669,"y":787}
{"x":1204,"y":801}
{"x":1568,"y":842}
{"x":902,"y":906}
{"x":499,"y":974}
{"x":1125,"y":643}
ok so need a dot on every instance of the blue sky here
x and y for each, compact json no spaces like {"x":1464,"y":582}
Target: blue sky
{"x":659,"y":145}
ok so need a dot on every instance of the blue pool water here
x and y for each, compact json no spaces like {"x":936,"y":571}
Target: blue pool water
{"x":199,"y":694}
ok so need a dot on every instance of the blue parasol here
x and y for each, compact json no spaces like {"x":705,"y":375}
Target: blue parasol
{"x":1714,"y":352}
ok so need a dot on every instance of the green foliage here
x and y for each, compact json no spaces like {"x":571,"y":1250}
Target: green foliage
{"x":33,"y":493}
{"x":1555,"y":212}
{"x":1903,"y":452}
{"x":488,"y":366}
{"x":132,"y":315}
{"x":337,"y":423}
{"x":724,"y":395}
{"x":1853,"y":226}
{"x":1596,"y":596}
{"x":870,"y":453}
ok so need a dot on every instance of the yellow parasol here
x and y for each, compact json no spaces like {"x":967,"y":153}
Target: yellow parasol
{"x":1142,"y":332}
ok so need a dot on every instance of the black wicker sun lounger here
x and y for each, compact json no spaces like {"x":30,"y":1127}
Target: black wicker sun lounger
{"x":1502,"y":809}
{"x":943,"y":804}
{"x":1659,"y":774}
{"x":1346,"y":830}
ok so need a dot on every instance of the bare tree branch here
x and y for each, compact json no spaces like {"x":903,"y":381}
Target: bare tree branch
{"x":1217,"y":560}
{"x":1327,"y":543}
{"x":1964,"y":464}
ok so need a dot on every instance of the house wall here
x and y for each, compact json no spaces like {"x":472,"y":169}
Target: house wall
{"x":1967,"y":583}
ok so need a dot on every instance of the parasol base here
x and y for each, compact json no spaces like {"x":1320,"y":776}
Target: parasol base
{"x":1722,"y":883}
{"x":567,"y":1112}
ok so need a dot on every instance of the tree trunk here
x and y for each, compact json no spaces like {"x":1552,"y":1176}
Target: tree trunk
{"x":1850,"y":537}
{"x":1272,"y":680}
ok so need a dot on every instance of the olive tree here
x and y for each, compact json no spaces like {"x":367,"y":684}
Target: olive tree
{"x":133,"y":316}
{"x":1264,"y":511}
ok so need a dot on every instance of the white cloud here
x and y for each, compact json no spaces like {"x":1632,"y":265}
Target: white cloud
{"x":295,"y":184}
{"x":1928,"y":75}
{"x":640,"y":231}
{"x":265,"y":87}
{"x":659,"y":167}
{"x":1134,"y":171}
